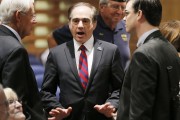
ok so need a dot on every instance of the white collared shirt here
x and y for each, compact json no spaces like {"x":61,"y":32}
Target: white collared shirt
{"x":144,"y":36}
{"x":89,"y":52}
{"x":15,"y":33}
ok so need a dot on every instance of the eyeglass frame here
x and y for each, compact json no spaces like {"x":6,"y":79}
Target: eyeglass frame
{"x":116,"y":7}
{"x":13,"y":101}
{"x":33,"y":16}
{"x":85,"y":21}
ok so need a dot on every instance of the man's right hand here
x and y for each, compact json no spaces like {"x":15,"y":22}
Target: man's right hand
{"x":59,"y":113}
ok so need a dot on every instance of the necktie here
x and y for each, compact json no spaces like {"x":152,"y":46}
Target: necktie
{"x":83,"y":67}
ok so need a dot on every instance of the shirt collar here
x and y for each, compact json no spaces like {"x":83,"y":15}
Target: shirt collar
{"x":144,"y":36}
{"x":12,"y":30}
{"x":88,"y":44}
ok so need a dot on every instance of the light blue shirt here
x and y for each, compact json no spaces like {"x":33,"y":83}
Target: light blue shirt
{"x":144,"y":36}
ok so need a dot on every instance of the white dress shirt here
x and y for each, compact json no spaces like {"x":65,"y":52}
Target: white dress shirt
{"x":89,"y":52}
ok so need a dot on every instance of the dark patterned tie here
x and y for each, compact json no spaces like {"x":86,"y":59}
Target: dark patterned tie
{"x":83,"y":67}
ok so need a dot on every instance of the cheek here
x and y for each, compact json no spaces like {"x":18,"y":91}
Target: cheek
{"x":11,"y":110}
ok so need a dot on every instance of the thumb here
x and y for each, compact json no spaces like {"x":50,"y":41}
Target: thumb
{"x":97,"y":107}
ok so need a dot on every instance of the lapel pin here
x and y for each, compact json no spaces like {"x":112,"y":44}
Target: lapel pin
{"x":99,"y":48}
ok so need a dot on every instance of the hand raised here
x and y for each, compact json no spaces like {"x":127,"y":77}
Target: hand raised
{"x":59,"y":113}
{"x":107,"y":109}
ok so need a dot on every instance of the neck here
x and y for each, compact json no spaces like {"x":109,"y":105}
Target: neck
{"x":144,"y":27}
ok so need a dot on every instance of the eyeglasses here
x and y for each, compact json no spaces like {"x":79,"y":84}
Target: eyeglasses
{"x":116,"y":7}
{"x":33,"y":16}
{"x":12,"y":101}
{"x":85,"y":21}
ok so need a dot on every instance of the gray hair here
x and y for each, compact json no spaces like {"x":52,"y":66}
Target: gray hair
{"x":103,"y":2}
{"x":9,"y":7}
{"x":94,"y":10}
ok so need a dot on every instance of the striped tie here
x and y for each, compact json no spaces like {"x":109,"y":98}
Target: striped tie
{"x":83,"y":67}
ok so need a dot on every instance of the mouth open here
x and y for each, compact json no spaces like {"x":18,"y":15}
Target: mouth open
{"x":80,"y":33}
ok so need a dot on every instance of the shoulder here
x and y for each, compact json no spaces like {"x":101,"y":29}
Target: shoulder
{"x":106,"y":45}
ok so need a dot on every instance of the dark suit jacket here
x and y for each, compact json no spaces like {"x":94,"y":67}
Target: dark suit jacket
{"x":146,"y":93}
{"x":61,"y":71}
{"x":16,"y":73}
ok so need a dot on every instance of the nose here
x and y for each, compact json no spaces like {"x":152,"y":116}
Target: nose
{"x":34,"y":21}
{"x":80,"y":24}
{"x":18,"y":104}
{"x":124,"y":18}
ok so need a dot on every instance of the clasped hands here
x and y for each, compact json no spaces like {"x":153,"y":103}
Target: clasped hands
{"x":59,"y":113}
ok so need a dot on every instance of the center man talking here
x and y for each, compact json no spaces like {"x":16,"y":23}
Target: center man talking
{"x":88,"y":72}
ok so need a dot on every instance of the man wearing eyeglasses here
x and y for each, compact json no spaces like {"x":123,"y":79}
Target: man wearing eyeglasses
{"x":84,"y":69}
{"x":110,"y":28}
{"x":18,"y":18}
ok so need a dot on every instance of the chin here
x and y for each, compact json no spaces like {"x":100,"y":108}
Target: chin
{"x":19,"y":116}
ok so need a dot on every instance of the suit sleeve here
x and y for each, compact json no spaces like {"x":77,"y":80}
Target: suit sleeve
{"x":143,"y":86}
{"x":49,"y":85}
{"x":117,"y":74}
{"x":18,"y":75}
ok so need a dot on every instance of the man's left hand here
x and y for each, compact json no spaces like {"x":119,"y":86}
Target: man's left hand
{"x":107,"y":109}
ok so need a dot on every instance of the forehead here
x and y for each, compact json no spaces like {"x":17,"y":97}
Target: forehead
{"x":129,"y":6}
{"x":116,"y":2}
{"x":81,"y":12}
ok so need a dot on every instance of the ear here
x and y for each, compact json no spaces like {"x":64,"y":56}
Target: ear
{"x":94,"y":25}
{"x":17,"y":16}
{"x":140,"y":15}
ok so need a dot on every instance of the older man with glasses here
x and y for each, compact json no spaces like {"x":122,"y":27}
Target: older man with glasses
{"x":18,"y":19}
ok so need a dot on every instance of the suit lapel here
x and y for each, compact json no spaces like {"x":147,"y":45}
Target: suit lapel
{"x":70,"y":56}
{"x":98,"y":50}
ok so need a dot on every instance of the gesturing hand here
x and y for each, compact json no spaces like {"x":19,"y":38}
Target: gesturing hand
{"x":59,"y":113}
{"x":107,"y":109}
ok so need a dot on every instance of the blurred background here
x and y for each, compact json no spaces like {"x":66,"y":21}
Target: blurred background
{"x":51,"y":14}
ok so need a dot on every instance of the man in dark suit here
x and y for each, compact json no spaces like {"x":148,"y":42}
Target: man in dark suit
{"x":146,"y":93}
{"x":15,"y":72}
{"x":90,"y":93}
{"x":110,"y":28}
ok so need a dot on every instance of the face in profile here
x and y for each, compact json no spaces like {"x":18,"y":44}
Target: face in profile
{"x":26,"y":22}
{"x":130,"y":17}
{"x":15,"y":106}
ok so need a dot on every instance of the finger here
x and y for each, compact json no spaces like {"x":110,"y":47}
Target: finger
{"x":54,"y":111}
{"x":98,"y":107}
{"x":69,"y":108}
{"x":52,"y":118}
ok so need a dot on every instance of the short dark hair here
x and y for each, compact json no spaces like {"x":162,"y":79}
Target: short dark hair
{"x":152,"y":10}
{"x":94,"y":10}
